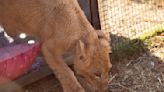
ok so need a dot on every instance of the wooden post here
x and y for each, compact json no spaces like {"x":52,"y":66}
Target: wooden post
{"x":84,"y":4}
{"x":95,"y":20}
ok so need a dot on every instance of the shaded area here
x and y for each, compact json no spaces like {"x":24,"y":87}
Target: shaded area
{"x":135,"y":68}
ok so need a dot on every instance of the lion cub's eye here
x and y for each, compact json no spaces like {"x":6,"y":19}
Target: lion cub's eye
{"x":81,"y":57}
{"x":97,"y":74}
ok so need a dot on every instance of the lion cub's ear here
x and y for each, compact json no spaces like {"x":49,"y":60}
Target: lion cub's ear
{"x":80,"y":47}
{"x":104,"y":41}
{"x":81,"y":53}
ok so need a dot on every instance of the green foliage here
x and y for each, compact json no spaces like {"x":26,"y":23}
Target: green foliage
{"x":150,"y":34}
{"x":136,"y":45}
{"x":128,"y":47}
{"x":156,"y":2}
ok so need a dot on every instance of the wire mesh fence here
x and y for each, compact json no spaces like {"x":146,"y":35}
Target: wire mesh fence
{"x":130,"y":18}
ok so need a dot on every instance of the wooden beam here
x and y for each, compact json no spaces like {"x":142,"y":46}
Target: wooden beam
{"x":84,"y":4}
{"x":95,"y":20}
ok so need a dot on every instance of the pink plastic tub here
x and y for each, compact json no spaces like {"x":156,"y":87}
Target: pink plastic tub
{"x":16,"y":60}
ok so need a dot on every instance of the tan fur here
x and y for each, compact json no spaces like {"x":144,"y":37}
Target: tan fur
{"x":63,"y":29}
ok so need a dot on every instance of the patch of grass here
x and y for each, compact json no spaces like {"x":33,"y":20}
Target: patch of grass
{"x":147,"y":1}
{"x":137,"y":44}
{"x":128,"y":48}
{"x":150,"y":34}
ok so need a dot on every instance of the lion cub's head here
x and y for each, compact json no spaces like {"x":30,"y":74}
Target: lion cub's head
{"x":92,"y":63}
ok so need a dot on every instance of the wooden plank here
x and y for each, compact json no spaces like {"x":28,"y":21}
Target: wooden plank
{"x":34,"y":76}
{"x":84,"y":4}
{"x":95,"y":20}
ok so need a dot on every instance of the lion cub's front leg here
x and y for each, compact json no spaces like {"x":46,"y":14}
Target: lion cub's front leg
{"x":64,"y":74}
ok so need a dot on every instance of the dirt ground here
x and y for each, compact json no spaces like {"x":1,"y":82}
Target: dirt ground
{"x":133,"y":70}
{"x":139,"y":72}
